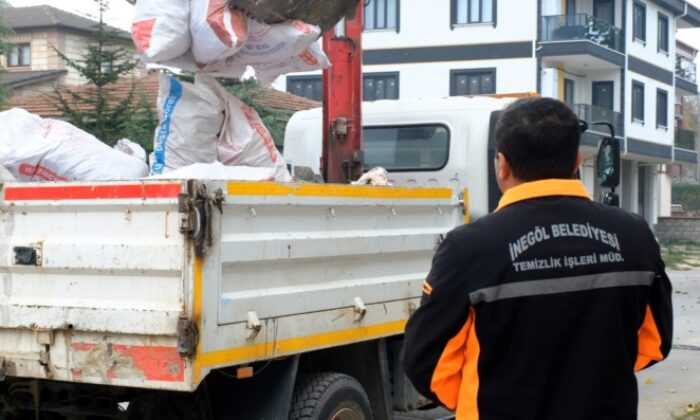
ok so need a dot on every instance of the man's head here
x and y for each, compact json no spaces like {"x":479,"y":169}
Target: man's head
{"x":536,"y":138}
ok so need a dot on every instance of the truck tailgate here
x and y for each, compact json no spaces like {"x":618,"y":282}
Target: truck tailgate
{"x":92,"y":281}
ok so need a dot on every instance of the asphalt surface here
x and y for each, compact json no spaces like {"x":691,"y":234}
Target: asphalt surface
{"x":668,"y":387}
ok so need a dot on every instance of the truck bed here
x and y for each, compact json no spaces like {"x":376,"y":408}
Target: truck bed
{"x":153,"y":284}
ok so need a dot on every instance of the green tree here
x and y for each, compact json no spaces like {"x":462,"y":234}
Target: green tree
{"x":96,"y":110}
{"x":5,"y":31}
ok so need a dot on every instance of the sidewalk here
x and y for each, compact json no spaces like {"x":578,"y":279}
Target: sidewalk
{"x":671,"y":385}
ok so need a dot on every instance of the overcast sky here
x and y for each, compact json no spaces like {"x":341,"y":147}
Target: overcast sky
{"x":120,"y":14}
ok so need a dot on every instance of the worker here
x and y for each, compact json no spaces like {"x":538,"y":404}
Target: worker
{"x":545,"y":308}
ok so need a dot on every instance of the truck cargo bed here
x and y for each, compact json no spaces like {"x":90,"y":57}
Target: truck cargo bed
{"x":153,"y":284}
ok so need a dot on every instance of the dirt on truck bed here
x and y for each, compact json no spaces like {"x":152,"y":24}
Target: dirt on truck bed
{"x":324,"y":13}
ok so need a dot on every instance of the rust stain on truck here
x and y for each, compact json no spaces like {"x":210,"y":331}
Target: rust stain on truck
{"x":117,"y":361}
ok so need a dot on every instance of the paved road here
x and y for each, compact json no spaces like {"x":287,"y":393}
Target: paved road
{"x":669,"y":386}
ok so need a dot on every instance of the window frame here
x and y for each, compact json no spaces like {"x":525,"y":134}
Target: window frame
{"x":459,"y":72}
{"x":660,"y":91}
{"x":394,"y":74}
{"x":453,"y":13}
{"x":19,"y":46}
{"x":643,"y":28}
{"x":386,"y":18}
{"x":309,"y":77}
{"x":429,"y":124}
{"x":637,"y":84}
{"x":663,"y":17}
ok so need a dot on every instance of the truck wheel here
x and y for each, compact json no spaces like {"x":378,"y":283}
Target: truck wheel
{"x":329,"y":396}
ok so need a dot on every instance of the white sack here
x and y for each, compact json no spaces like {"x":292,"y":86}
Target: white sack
{"x":191,"y":118}
{"x":227,"y":68}
{"x":219,"y":171}
{"x":313,"y":58}
{"x":217,"y":31}
{"x":36,"y":149}
{"x":276,"y":43}
{"x":160,"y":29}
{"x":132,"y":149}
{"x":245,"y":141}
{"x":377,"y":176}
{"x":5,"y":175}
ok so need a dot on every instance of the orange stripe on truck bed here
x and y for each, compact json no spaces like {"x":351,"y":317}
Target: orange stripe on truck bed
{"x":91,"y":192}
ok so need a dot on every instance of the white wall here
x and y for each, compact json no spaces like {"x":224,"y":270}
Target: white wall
{"x":648,"y":131}
{"x":433,"y":79}
{"x":426,"y":23}
{"x":649,"y":51}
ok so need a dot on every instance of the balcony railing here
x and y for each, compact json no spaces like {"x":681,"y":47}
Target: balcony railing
{"x":582,"y":27}
{"x":685,"y":68}
{"x":685,"y":139}
{"x":590,"y":114}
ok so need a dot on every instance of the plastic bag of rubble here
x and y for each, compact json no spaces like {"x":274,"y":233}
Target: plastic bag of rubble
{"x":191,"y":118}
{"x":36,"y":149}
{"x":5,"y":175}
{"x":244,"y":140}
{"x":219,"y":171}
{"x":377,"y":176}
{"x":161,"y":29}
{"x":276,"y":43}
{"x":217,"y":31}
{"x":313,"y":58}
{"x":132,"y":149}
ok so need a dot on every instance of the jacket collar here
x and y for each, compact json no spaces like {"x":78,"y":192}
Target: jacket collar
{"x":543,"y":188}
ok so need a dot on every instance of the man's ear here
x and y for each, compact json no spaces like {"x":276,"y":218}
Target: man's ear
{"x":503,"y":169}
{"x":579,"y":161}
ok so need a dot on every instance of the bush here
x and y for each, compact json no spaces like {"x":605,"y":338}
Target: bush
{"x":687,"y":194}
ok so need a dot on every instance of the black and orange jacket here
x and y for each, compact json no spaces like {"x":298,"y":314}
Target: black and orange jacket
{"x":542,"y":310}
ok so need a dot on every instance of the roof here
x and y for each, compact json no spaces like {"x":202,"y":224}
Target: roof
{"x":38,"y":103}
{"x":45,"y":16}
{"x":16,"y":79}
{"x":282,"y":100}
{"x":148,"y":86}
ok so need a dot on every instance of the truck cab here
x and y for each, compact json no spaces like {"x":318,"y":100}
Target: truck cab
{"x":429,"y":142}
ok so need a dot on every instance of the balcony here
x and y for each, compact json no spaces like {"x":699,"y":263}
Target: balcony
{"x":591,"y":113}
{"x":582,"y":27}
{"x":598,"y":44}
{"x":686,"y":69}
{"x":685,"y":139}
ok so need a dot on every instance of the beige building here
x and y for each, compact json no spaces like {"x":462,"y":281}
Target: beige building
{"x":32,"y":64}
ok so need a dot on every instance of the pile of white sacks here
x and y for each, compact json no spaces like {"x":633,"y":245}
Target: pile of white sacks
{"x":204,"y":131}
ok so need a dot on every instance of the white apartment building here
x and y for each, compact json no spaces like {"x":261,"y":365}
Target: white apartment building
{"x":614,"y":60}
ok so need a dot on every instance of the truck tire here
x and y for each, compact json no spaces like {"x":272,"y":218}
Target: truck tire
{"x":329,"y":396}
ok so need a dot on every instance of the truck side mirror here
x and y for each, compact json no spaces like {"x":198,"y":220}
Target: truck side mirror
{"x":609,"y":163}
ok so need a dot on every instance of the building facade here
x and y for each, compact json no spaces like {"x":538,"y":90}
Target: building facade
{"x":611,"y":60}
{"x":32,"y":64}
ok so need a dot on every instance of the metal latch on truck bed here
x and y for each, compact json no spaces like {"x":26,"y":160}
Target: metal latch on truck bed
{"x":196,"y":209}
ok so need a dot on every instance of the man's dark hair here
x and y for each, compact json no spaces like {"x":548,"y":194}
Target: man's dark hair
{"x":539,"y":138}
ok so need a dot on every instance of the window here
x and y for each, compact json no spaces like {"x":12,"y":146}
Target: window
{"x":639,"y":22}
{"x":661,"y":108}
{"x":637,"y":101}
{"x":473,"y":11}
{"x":472,"y":82}
{"x":20,"y":55}
{"x":570,"y":7}
{"x":382,"y":14}
{"x":380,"y":86}
{"x":663,"y":33}
{"x":307,"y":86}
{"x":569,"y":92}
{"x":407,"y":148}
